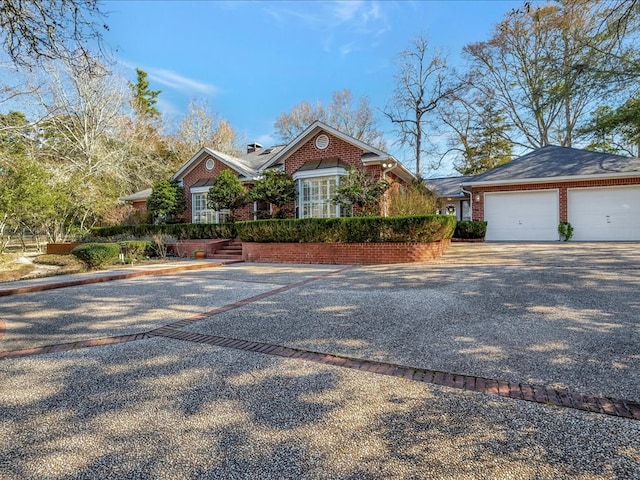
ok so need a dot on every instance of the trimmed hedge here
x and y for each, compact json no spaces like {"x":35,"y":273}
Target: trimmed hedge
{"x":468,"y":230}
{"x":423,"y":228}
{"x":97,"y":255}
{"x":182,"y":231}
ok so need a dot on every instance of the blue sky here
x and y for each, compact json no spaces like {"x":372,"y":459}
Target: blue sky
{"x":254,"y":60}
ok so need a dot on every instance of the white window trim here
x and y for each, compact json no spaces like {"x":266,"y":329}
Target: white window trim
{"x":300,"y":205}
{"x":323,"y":172}
{"x":216,"y":213}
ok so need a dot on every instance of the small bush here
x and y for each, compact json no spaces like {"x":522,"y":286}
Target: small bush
{"x":565,"y":229}
{"x":97,"y":255}
{"x":161,"y":245}
{"x":423,"y":228}
{"x":136,"y":249}
{"x":470,"y":230}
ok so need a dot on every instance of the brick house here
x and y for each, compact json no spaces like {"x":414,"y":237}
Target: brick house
{"x":316,"y":159}
{"x":526,"y":199}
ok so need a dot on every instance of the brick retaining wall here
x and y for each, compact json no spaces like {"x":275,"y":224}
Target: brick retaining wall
{"x":61,"y":248}
{"x":343,"y":253}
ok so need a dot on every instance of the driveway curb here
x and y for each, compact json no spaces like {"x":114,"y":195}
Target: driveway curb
{"x":106,"y":278}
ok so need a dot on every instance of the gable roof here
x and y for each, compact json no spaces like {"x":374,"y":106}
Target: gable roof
{"x":448,"y":186}
{"x":559,"y":163}
{"x":137,"y":196}
{"x":250,"y":165}
{"x":230,"y":161}
{"x":371,"y":155}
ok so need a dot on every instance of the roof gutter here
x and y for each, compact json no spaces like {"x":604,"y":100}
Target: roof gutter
{"x":566,"y":178}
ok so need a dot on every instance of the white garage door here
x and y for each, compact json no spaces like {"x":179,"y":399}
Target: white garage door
{"x":611,"y":213}
{"x":522,"y":215}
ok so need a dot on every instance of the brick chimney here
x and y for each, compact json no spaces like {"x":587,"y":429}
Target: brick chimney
{"x":252,"y":147}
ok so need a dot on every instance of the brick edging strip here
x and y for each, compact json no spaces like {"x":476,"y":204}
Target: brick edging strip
{"x":105,"y":278}
{"x":65,"y":347}
{"x":255,"y":298}
{"x":180,"y":323}
{"x":518,"y":391}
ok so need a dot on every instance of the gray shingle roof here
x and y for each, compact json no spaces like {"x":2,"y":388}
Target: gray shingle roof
{"x":137,"y":196}
{"x":551,"y":161}
{"x":255,"y":160}
{"x":447,"y":186}
{"x":331,"y":162}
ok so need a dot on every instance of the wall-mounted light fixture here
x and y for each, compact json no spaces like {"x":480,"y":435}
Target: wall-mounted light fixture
{"x":476,"y":197}
{"x":388,"y":164}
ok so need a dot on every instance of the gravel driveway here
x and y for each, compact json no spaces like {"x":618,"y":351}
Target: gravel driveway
{"x":547,"y":314}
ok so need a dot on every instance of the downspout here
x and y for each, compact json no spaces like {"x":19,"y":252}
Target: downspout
{"x":393,"y":164}
{"x":470,"y":200}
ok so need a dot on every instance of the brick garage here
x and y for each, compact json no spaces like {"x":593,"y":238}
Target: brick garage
{"x":527,"y":198}
{"x":478,"y":205}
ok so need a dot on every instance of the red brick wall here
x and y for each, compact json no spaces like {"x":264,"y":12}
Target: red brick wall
{"x":478,"y":206}
{"x":346,"y":152}
{"x":343,"y":253}
{"x":140,"y":206}
{"x":61,"y":248}
{"x":200,"y":172}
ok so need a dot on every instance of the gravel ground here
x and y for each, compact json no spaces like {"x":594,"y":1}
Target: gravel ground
{"x":167,"y":409}
{"x":137,"y":305}
{"x":576,"y":327}
{"x":160,"y":408}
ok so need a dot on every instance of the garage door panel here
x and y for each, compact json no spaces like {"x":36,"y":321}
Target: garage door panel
{"x":522,"y":216}
{"x":611,"y":213}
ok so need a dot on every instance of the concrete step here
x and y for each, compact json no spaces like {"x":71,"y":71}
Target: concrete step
{"x":219,"y":256}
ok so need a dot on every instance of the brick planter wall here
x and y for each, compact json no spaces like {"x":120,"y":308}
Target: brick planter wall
{"x":343,"y":253}
{"x":61,"y":248}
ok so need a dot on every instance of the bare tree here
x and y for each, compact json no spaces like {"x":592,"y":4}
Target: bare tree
{"x":86,"y":111}
{"x":421,"y":83}
{"x":36,"y":30}
{"x":356,"y":120}
{"x":539,"y":69}
{"x":290,"y":125}
{"x":203,"y":128}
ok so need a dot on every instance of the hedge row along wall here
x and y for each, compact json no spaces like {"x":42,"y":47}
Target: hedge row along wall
{"x":356,"y":240}
{"x":414,"y":229}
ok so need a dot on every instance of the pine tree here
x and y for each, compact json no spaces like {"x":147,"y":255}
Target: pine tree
{"x":144,"y":99}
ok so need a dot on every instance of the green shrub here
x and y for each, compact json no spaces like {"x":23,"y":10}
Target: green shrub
{"x":182,"y":231}
{"x":97,"y":255}
{"x":565,"y":229}
{"x":136,"y":249}
{"x":423,"y":228}
{"x":470,"y":230}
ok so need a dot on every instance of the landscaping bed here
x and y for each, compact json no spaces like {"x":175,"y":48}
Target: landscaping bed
{"x":353,"y":240}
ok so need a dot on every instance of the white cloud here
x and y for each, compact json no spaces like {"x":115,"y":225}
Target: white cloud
{"x":266,"y":140}
{"x":353,"y":21}
{"x":180,"y":82}
{"x":174,"y":80}
{"x":347,"y":48}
